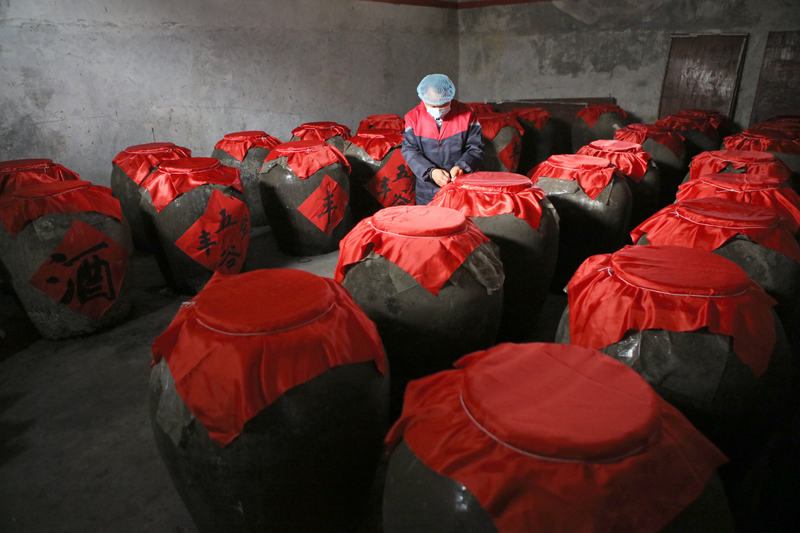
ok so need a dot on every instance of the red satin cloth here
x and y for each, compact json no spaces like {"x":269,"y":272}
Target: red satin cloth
{"x":377,"y":142}
{"x":557,"y":438}
{"x":492,"y":123}
{"x":20,"y":172}
{"x":426,"y":241}
{"x":716,"y":118}
{"x":382,"y":122}
{"x":536,"y":115}
{"x":325,"y":207}
{"x":174,"y":178}
{"x":307,"y":157}
{"x":394,"y":184}
{"x":639,"y":133}
{"x":683,"y":123}
{"x":673,"y":288}
{"x":320,"y":131}
{"x":481,"y":107}
{"x":628,"y":157}
{"x":764,"y":139}
{"x":708,"y":223}
{"x":237,"y":144}
{"x":73,"y":196}
{"x":755,"y":189}
{"x":751,"y":161}
{"x":244,"y":340}
{"x":489,"y":194}
{"x":138,"y":161}
{"x":791,"y":119}
{"x":591,"y":113}
{"x":593,"y":173}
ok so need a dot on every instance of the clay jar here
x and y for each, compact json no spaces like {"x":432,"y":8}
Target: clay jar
{"x":502,"y":137}
{"x":431,"y":282}
{"x":305,"y":189}
{"x":268,"y":404}
{"x":739,"y":162}
{"x":596,"y":122}
{"x":246,"y":151}
{"x":129,"y":169}
{"x":65,"y":251}
{"x":330,"y":132}
{"x":541,"y":437}
{"x":522,"y":222}
{"x":195,"y":208}
{"x":782,"y":139}
{"x":537,"y":137}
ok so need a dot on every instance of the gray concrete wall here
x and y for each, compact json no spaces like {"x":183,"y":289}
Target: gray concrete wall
{"x":580,"y":48}
{"x":80,"y":80}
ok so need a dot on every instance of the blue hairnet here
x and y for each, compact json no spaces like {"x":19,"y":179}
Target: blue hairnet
{"x":436,"y":89}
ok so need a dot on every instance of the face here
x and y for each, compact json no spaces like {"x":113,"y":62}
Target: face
{"x":440,"y":106}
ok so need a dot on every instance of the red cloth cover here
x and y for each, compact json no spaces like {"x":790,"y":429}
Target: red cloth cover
{"x":320,"y":131}
{"x":492,"y":123}
{"x":639,"y":133}
{"x":84,"y":272}
{"x":138,"y":161}
{"x":791,"y":119}
{"x":307,"y":157}
{"x":244,"y":340}
{"x":683,"y":123}
{"x":174,"y":178}
{"x":377,"y":142}
{"x":716,"y":118}
{"x":480,"y":107}
{"x":591,"y":113}
{"x":764,"y":139}
{"x":751,"y":161}
{"x":537,"y":115}
{"x":673,"y":288}
{"x":755,"y":189}
{"x":628,"y":157}
{"x":20,"y":172}
{"x":325,"y":207}
{"x":426,"y":241}
{"x":557,"y":438}
{"x":382,"y":122}
{"x":74,"y":196}
{"x":488,"y":194}
{"x":593,"y":173}
{"x":394,"y":184}
{"x":237,"y":144}
{"x":708,"y":223}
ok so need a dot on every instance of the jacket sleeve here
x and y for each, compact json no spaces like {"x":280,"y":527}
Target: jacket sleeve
{"x":473,"y":146}
{"x":420,"y":165}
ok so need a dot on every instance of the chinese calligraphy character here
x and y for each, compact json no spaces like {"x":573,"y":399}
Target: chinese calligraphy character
{"x":205,"y":242}
{"x":243,"y":229}
{"x":328,"y":206}
{"x":403,"y":173}
{"x":399,"y":199}
{"x":229,"y":257}
{"x":225,"y":221}
{"x":384,"y":188}
{"x":89,"y":276}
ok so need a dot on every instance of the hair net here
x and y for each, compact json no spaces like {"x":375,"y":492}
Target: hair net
{"x":436,"y":89}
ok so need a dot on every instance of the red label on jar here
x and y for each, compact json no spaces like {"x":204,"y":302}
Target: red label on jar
{"x":394,"y":183}
{"x":325,"y":207}
{"x":509,"y":155}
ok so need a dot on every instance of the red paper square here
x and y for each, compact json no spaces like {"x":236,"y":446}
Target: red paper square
{"x":84,"y":272}
{"x":394,"y":183}
{"x":325,"y":207}
{"x":219,"y":238}
{"x":509,"y":155}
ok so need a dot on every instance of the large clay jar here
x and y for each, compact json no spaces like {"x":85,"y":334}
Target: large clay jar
{"x":268,"y":404}
{"x":129,"y":169}
{"x":329,"y":132}
{"x":431,"y":282}
{"x":537,"y":137}
{"x":542,"y":437}
{"x":65,"y":251}
{"x":382,"y":122}
{"x":195,"y":208}
{"x":782,"y":139}
{"x":379,"y":175}
{"x":698,"y":330}
{"x":638,"y":167}
{"x":247,"y":150}
{"x":522,"y":222}
{"x":595,"y":122}
{"x":667,"y":149}
{"x":739,"y":162}
{"x":593,"y":202}
{"x":20,"y":172}
{"x":305,"y":189}
{"x":502,"y":137}
{"x":701,"y":132}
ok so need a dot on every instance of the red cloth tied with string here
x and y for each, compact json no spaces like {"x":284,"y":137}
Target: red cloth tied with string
{"x":536,"y":115}
{"x":173,"y":178}
{"x":716,"y":118}
{"x":481,"y":107}
{"x":377,"y":142}
{"x":683,"y":123}
{"x":765,"y":139}
{"x":557,"y":438}
{"x":21,"y":172}
{"x":709,"y":223}
{"x":754,"y":189}
{"x":591,"y":113}
{"x":492,"y":123}
{"x":320,"y":131}
{"x":138,"y":161}
{"x":382,"y":122}
{"x":751,"y":161}
{"x":639,"y":133}
{"x":628,"y":157}
{"x":672,"y":288}
{"x":489,"y":194}
{"x":307,"y":157}
{"x":592,"y":173}
{"x":428,"y":242}
{"x":30,"y":202}
{"x":245,"y":340}
{"x":237,"y":144}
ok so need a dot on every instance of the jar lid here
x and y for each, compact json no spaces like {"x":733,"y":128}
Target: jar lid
{"x":741,"y":156}
{"x":295,"y":147}
{"x":494,"y":182}
{"x":579,"y":162}
{"x":419,"y":221}
{"x":189,"y":165}
{"x":150,"y":148}
{"x":377,"y":133}
{"x":729,"y":213}
{"x":245,"y":135}
{"x":610,"y":145}
{"x":49,"y":188}
{"x":741,"y":182}
{"x":24,"y":164}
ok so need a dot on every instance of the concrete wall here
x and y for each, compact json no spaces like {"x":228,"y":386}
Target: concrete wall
{"x":580,"y":48}
{"x":80,"y":80}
